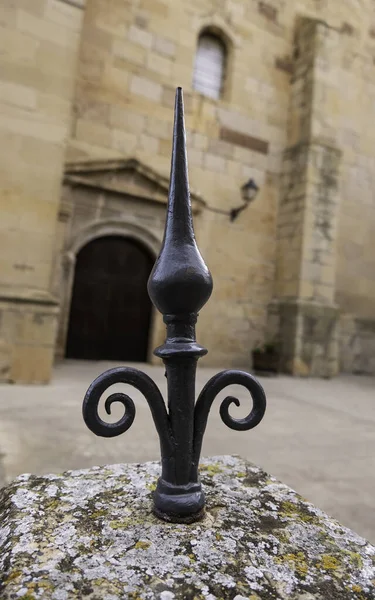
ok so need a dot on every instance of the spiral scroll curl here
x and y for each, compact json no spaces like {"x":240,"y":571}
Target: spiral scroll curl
{"x":208,"y":394}
{"x":141,"y":382}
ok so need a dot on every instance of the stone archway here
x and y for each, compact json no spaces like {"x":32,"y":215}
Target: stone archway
{"x":110,"y":310}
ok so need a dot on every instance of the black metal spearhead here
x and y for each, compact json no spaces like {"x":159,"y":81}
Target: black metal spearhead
{"x":180,"y":282}
{"x":179,"y":285}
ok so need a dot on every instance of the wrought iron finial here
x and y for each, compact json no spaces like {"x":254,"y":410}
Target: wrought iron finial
{"x":180,"y":282}
{"x":179,"y":285}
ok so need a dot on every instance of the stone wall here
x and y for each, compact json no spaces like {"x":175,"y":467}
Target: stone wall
{"x":296,"y":105}
{"x":131,"y":60}
{"x":130,"y":63}
{"x":39,"y":41}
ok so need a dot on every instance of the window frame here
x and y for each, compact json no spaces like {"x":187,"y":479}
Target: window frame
{"x":224,"y":42}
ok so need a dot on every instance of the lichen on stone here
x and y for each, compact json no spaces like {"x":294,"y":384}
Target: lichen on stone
{"x":92,"y":534}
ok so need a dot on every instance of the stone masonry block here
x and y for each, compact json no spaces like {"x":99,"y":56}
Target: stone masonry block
{"x":196,"y":157}
{"x":149,"y":144}
{"x":59,"y":534}
{"x":199,"y":141}
{"x":145,"y":87}
{"x":18,"y":47}
{"x":129,"y":51}
{"x":18,"y":95}
{"x":164,"y":46}
{"x":46,"y":30}
{"x":159,"y":128}
{"x":24,"y":126}
{"x":37,"y":8}
{"x":155,"y":7}
{"x":221,"y":148}
{"x":124,"y":142}
{"x":214,"y":163}
{"x":268,"y":11}
{"x":64,"y":14}
{"x":140,"y":36}
{"x":123,"y":118}
{"x":159,"y":64}
{"x":93,"y":133}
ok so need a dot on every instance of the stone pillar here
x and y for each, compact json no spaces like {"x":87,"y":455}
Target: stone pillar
{"x":37,"y":82}
{"x":308,"y":212}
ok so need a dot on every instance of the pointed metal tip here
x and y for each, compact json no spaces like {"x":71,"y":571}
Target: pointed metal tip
{"x":179,"y":119}
{"x":180,"y":282}
{"x":179,"y":98}
{"x":179,"y":184}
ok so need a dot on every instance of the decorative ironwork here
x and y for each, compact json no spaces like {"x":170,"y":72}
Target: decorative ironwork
{"x":179,"y":285}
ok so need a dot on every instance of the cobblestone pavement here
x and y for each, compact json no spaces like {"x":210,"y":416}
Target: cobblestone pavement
{"x":318,"y":436}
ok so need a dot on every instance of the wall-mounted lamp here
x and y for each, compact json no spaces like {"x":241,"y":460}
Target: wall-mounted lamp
{"x":248,"y":192}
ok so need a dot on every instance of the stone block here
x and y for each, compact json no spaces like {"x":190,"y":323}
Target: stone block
{"x":159,"y":64}
{"x":18,"y":95}
{"x":130,"y":52}
{"x":147,"y":88}
{"x":124,"y":142}
{"x":149,"y":144}
{"x":65,"y":14}
{"x":31,"y":364}
{"x":38,"y":217}
{"x":116,"y":81}
{"x":268,"y":11}
{"x":155,"y":7}
{"x":54,"y":108}
{"x":123,"y":118}
{"x":59,"y":533}
{"x":25,"y":125}
{"x":93,"y":133}
{"x":164,"y":46}
{"x":165,"y":147}
{"x":92,"y":110}
{"x":17,"y":47}
{"x":37,"y":8}
{"x":140,"y":36}
{"x":246,"y":141}
{"x":159,"y":128}
{"x":237,"y":9}
{"x":45,"y":30}
{"x":27,"y":331}
{"x":196,"y":157}
{"x":199,"y":141}
{"x":221,"y":148}
{"x":308,"y":338}
{"x":187,"y":37}
{"x":5,"y":360}
{"x":214,"y":163}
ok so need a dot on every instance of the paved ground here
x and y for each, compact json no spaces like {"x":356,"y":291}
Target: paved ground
{"x":317,"y":436}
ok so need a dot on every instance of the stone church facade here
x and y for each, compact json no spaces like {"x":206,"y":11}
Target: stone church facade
{"x":280,"y":91}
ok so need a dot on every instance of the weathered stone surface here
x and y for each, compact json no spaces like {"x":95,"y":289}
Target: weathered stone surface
{"x":91,"y":533}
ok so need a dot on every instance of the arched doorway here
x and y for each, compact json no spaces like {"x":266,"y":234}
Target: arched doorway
{"x":110,"y":309}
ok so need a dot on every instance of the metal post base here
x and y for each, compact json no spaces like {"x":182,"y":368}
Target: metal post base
{"x":179,"y":503}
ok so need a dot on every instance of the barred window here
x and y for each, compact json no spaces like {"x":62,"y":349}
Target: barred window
{"x":209,"y":67}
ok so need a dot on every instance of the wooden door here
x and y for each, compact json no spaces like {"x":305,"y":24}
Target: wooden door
{"x":110,"y":309}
